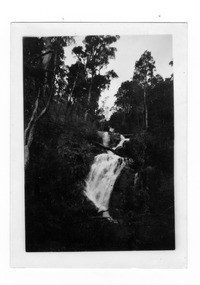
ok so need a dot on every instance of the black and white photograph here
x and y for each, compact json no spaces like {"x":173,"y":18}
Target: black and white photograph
{"x":98,"y":120}
{"x":98,"y":143}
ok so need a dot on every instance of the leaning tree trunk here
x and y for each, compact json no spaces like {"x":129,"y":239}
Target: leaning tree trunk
{"x":28,"y":133}
{"x":30,"y":129}
{"x":27,"y":145}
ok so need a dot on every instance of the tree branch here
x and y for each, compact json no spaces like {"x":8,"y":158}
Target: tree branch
{"x":105,"y":147}
{"x":43,"y":54}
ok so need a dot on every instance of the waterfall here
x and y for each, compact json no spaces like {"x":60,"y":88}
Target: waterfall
{"x":102,"y":176}
{"x":106,"y":138}
{"x":122,"y":140}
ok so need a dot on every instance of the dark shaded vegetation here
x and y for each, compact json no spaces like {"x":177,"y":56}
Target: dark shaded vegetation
{"x":54,"y":183}
{"x":61,"y":150}
{"x":146,"y":200}
{"x":149,"y":200}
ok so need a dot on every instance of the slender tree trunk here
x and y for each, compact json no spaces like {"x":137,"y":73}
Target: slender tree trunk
{"x":74,"y":85}
{"x":86,"y":115}
{"x":89,"y":99}
{"x":145,"y":111}
{"x":90,"y":93}
{"x":72,"y":91}
{"x":57,"y":111}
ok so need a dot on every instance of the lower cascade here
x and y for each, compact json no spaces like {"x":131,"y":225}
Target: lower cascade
{"x":102,"y":176}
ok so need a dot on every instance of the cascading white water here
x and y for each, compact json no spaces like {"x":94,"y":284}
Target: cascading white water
{"x":103,"y":174}
{"x":101,"y":179}
{"x":106,"y":138}
{"x":122,"y":140}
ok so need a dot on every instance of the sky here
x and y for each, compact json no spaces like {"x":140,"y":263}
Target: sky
{"x":129,"y":50}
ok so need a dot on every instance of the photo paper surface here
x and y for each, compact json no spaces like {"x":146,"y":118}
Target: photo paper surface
{"x":98,"y":134}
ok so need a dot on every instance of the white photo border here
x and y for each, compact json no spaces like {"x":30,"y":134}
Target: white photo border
{"x":128,"y":259}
